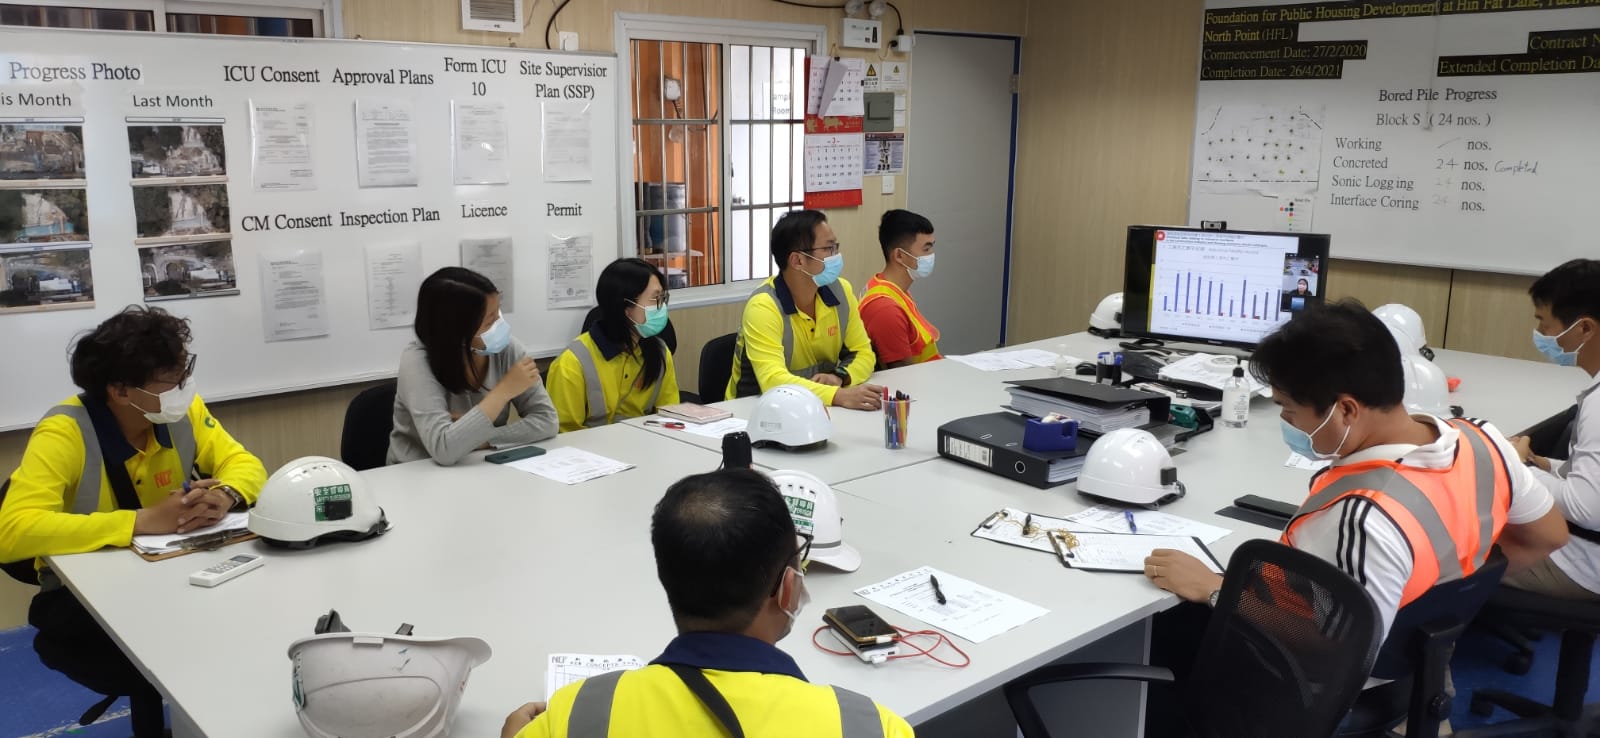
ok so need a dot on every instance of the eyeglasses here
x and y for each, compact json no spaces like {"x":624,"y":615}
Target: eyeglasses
{"x":803,"y":548}
{"x":829,"y":249}
{"x":659,"y":302}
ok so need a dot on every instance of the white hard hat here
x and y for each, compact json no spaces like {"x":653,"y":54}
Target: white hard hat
{"x":1107,"y":316}
{"x":815,"y":510}
{"x":791,"y":416}
{"x":378,"y":685}
{"x":314,"y":499}
{"x":1408,"y":324}
{"x":1130,"y":466}
{"x":1427,"y":388}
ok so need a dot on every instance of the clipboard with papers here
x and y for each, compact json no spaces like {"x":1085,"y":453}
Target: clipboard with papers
{"x":233,"y":528}
{"x":1123,"y":552}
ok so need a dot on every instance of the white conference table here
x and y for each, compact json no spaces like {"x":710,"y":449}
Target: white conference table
{"x":536,"y":567}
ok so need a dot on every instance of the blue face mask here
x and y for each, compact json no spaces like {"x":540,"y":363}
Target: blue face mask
{"x":924,"y":266}
{"x":1301,"y":442}
{"x":1550,"y":346}
{"x":496,"y":339}
{"x":831,"y":268}
{"x":655,"y":320}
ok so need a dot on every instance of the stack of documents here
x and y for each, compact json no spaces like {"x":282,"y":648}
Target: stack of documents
{"x":167,"y":543}
{"x":1092,"y":418}
{"x":1210,"y":370}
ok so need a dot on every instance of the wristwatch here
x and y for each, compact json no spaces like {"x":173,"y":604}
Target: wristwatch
{"x":1212,"y":600}
{"x":843,"y":375}
{"x":239,"y":502}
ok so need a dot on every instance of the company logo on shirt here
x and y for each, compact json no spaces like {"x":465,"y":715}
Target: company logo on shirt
{"x":833,"y":330}
{"x":211,"y":422}
{"x":163,"y":478}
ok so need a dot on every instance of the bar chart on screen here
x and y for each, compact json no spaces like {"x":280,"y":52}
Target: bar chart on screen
{"x":1225,"y":285}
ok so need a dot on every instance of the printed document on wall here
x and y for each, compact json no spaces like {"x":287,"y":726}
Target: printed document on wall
{"x":571,"y":281}
{"x":394,"y":272}
{"x":280,"y":147}
{"x":386,"y":143}
{"x":482,"y":146}
{"x":1258,"y":148}
{"x":833,"y":161}
{"x":567,"y":142}
{"x":885,"y":153}
{"x":293,"y":303}
{"x":491,"y":257}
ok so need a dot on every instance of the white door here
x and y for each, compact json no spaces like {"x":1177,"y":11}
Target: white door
{"x":960,"y":132}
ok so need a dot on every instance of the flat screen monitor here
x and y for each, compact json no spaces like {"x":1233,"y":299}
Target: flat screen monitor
{"x":1225,"y":288}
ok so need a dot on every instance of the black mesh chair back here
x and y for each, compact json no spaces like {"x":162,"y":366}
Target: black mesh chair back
{"x":716,"y":367}
{"x":364,"y":442}
{"x":1553,"y":435}
{"x":1287,"y":650}
{"x":668,"y":335}
{"x":23,"y":570}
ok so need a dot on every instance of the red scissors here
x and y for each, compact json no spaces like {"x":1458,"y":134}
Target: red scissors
{"x":668,"y":424}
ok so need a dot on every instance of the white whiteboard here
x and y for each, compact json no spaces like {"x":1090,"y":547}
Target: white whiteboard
{"x":104,"y":77}
{"x":1504,"y":182}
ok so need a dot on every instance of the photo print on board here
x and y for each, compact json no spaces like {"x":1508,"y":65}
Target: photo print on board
{"x":176,"y":271}
{"x":45,"y":278}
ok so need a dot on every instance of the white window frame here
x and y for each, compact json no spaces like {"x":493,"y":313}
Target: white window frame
{"x":326,"y":16}
{"x":635,"y":26}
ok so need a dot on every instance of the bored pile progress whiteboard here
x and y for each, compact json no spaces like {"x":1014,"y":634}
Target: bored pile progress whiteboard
{"x":287,"y":197}
{"x":1464,"y":139}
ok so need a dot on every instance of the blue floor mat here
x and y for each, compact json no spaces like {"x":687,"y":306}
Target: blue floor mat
{"x":1477,"y":666}
{"x":36,"y":702}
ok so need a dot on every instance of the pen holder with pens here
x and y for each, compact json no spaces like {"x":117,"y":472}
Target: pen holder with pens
{"x":896,"y":422}
{"x":1041,"y":437}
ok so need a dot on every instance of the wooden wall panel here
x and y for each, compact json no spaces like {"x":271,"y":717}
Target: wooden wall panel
{"x":1425,"y":289}
{"x":1107,"y":116}
{"x":1491,"y":314}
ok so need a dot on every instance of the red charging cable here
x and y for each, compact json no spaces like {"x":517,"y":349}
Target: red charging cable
{"x":903,"y":638}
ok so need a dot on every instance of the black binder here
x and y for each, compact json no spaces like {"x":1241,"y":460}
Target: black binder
{"x":993,"y":442}
{"x":1100,"y":395}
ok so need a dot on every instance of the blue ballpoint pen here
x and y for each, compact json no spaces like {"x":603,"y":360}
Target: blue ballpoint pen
{"x":1129,"y":515}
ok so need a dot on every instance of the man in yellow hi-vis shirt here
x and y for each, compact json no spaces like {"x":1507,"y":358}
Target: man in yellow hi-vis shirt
{"x":730,"y":561}
{"x":803,"y":326}
{"x":136,"y":453}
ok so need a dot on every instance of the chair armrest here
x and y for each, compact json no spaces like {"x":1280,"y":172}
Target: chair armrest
{"x":1092,"y":670}
{"x":1032,"y":725}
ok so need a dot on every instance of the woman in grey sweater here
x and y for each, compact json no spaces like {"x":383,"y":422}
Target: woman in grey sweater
{"x":463,"y":374}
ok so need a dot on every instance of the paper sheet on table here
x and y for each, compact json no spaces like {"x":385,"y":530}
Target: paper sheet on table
{"x":1000,"y":361}
{"x":570,"y":281}
{"x":163,"y":543}
{"x":1127,"y":551}
{"x":394,"y":271}
{"x":386,"y":143}
{"x":1296,"y":461}
{"x":492,"y":257}
{"x":280,"y":147}
{"x":1009,"y":526}
{"x":1210,"y":370}
{"x":717,"y":428}
{"x":971,"y":611}
{"x":567,"y":142}
{"x":566,"y":668}
{"x":1149,"y":522}
{"x":570,"y":465}
{"x":293,"y":301}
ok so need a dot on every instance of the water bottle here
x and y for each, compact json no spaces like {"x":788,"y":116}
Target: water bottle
{"x":1236,"y":400}
{"x":1064,"y":366}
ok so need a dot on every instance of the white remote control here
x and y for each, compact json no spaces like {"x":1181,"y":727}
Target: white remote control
{"x":226,"y":570}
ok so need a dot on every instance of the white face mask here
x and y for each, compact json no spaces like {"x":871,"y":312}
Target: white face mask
{"x":175,"y":403}
{"x":802,"y":598}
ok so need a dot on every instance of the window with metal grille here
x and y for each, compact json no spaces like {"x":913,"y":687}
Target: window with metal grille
{"x":293,"y":18}
{"x":717,"y":123}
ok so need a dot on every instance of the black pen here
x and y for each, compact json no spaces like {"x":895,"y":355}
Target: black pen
{"x":1027,"y":523}
{"x":990,"y":521}
{"x":938,"y":594}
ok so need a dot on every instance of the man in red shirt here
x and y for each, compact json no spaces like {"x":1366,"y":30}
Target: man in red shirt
{"x":900,"y":335}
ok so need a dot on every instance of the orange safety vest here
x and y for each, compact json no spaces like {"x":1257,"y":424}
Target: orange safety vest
{"x":879,"y":288}
{"x":1449,"y":517}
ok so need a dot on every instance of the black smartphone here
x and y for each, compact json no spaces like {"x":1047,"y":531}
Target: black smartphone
{"x":1264,"y":505}
{"x":512,"y":454}
{"x":860,"y":624}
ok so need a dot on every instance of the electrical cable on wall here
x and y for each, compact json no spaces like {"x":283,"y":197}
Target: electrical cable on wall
{"x":808,"y":5}
{"x":552,"y":23}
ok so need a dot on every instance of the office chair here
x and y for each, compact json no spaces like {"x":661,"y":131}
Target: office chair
{"x":716,"y":367}
{"x":1549,"y":437}
{"x":1578,"y":623}
{"x":1285,"y":652}
{"x":668,"y":335}
{"x":364,"y":442}
{"x":1416,"y":657}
